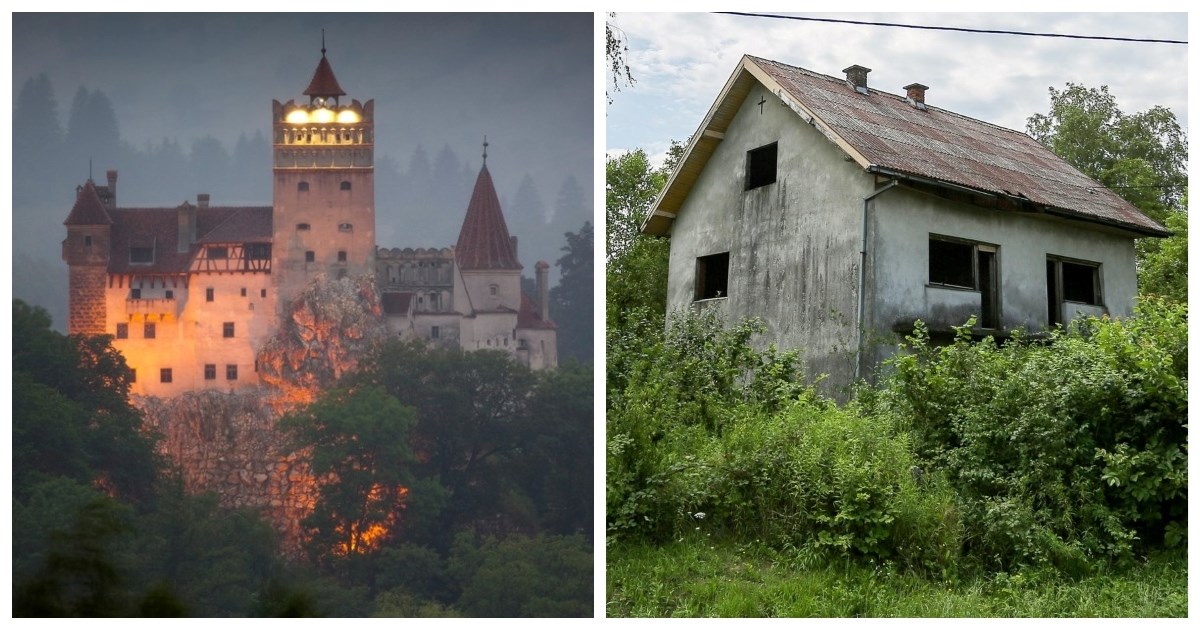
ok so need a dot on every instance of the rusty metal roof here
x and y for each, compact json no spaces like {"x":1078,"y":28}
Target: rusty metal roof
{"x":887,"y":133}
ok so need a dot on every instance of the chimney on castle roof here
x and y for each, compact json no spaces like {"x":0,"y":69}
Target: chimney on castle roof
{"x":543,"y":289}
{"x":187,"y":227}
{"x":112,"y":186}
{"x":513,"y":239}
{"x":916,"y":94}
{"x":856,"y":76}
{"x":202,"y":200}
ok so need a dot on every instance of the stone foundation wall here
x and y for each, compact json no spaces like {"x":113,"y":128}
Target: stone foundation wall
{"x":228,"y":443}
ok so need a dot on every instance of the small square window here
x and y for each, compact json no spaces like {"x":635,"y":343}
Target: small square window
{"x":135,"y":294}
{"x":231,"y":372}
{"x":148,"y":330}
{"x":210,"y":371}
{"x":208,"y":294}
{"x":342,"y":256}
{"x":310,"y":256}
{"x":227,"y":329}
{"x":761,"y":165}
{"x":263,"y":293}
{"x":951,"y":263}
{"x":122,"y":331}
{"x":243,"y":291}
{"x":712,"y":276}
{"x":302,"y":187}
{"x":170,"y":294}
{"x":434,"y":332}
{"x":164,"y":375}
{"x":345,"y":186}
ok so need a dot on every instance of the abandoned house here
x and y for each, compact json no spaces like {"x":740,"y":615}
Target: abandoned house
{"x":839,"y":214}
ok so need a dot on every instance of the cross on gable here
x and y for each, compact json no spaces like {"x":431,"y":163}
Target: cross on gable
{"x":760,"y":105}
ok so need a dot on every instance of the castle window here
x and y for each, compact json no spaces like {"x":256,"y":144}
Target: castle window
{"x":141,"y":255}
{"x":170,"y":294}
{"x":164,"y":375}
{"x":227,"y":330}
{"x":760,"y":165}
{"x":218,"y":253}
{"x":345,"y":186}
{"x":494,"y":290}
{"x":132,"y":375}
{"x":231,"y":372}
{"x":434,"y":332}
{"x":302,"y":187}
{"x":87,"y":241}
{"x":342,"y":256}
{"x":149,"y":331}
{"x":243,"y":291}
{"x":263,"y":293}
{"x":303,"y":227}
{"x":309,"y":256}
{"x":712,"y":276}
{"x":345,"y":227}
{"x":258,"y":251}
{"x":122,"y":331}
{"x":210,"y":371}
{"x":208,"y":294}
{"x":135,"y":294}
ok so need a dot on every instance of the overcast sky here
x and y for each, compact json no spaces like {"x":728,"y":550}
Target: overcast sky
{"x":523,"y":80}
{"x":681,"y":61}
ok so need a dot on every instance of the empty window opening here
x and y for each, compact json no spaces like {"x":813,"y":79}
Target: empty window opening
{"x":164,"y":375}
{"x":208,"y":294}
{"x":952,"y":263}
{"x":141,"y":255}
{"x":122,"y":331}
{"x":302,"y":187}
{"x":149,"y":331}
{"x":761,"y":165}
{"x":227,"y":330}
{"x":345,"y":186}
{"x":342,"y":256}
{"x":231,"y":372}
{"x":712,"y":276}
{"x":210,"y":371}
{"x":1070,"y":281}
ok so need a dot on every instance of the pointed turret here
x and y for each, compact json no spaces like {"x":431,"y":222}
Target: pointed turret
{"x":323,"y":83}
{"x":483,"y":242}
{"x":86,"y":252}
{"x":88,"y":209}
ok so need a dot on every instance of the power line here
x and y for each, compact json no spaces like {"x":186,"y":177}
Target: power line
{"x":954,"y":28}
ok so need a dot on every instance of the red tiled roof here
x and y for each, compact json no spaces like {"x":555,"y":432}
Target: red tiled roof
{"x":396,"y":303}
{"x":483,"y":242}
{"x":323,"y":82}
{"x":88,"y":209}
{"x":948,"y":147}
{"x":529,"y":317}
{"x":159,"y":228}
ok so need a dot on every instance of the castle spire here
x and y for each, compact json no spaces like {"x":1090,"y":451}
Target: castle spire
{"x":483,"y":242}
{"x":485,"y":146}
{"x":323,"y":84}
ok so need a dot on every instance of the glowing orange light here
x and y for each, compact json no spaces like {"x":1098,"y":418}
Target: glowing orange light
{"x":323,"y":115}
{"x":347,"y":116}
{"x":297,"y":117}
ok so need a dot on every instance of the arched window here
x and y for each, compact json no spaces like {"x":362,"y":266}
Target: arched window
{"x":345,"y":186}
{"x":345,"y":227}
{"x":302,"y":187}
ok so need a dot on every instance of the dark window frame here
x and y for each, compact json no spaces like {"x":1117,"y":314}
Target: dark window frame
{"x":302,"y":187}
{"x":149,"y":331}
{"x":341,"y":255}
{"x":122,"y":330}
{"x":217,"y":253}
{"x":712,"y":277}
{"x":762,"y":166}
{"x":345,"y":185}
{"x":210,"y":371}
{"x":227,"y":330}
{"x":209,"y":294}
{"x":231,"y":372}
{"x":166,"y":375}
{"x":944,"y":274}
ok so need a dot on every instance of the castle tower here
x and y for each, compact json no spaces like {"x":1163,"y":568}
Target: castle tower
{"x":485,"y":253}
{"x":86,"y":251}
{"x":324,"y":190}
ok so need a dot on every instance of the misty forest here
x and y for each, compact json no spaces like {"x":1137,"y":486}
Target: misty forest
{"x":436,"y":482}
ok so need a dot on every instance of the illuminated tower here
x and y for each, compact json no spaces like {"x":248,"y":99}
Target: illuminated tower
{"x":86,"y":251}
{"x":324,"y":196}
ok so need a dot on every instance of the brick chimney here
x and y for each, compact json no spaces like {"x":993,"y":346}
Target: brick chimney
{"x":856,"y":76}
{"x":112,"y":186}
{"x":187,"y":227}
{"x":202,"y":200}
{"x":916,"y":94}
{"x":543,"y":289}
{"x":513,"y":240}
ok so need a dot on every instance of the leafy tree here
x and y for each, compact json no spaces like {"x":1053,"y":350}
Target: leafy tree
{"x":359,"y":441}
{"x":616,"y":53}
{"x":544,"y":576}
{"x":572,"y":301}
{"x":37,"y":142}
{"x":1163,"y":270}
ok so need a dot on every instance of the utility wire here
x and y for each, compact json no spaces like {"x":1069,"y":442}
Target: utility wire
{"x":953,"y":28}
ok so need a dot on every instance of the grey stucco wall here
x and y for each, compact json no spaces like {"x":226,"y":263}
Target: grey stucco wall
{"x":900,"y":223}
{"x":793,"y":245}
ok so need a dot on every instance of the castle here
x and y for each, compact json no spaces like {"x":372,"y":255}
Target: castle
{"x":191,"y":293}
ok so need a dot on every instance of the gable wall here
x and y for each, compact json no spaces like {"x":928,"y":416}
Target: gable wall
{"x":793,"y":245}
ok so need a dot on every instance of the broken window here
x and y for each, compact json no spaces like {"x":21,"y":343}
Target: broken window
{"x":712,"y":276}
{"x":210,"y":371}
{"x":1070,"y":281}
{"x":761,"y":165}
{"x":952,"y":263}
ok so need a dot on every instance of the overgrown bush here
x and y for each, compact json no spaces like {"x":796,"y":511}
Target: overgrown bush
{"x":1062,"y":450}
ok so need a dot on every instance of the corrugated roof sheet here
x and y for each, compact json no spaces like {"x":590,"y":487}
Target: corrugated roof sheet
{"x":938,"y":144}
{"x":483,"y":241}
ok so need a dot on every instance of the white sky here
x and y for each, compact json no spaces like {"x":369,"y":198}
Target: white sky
{"x":680,"y":62}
